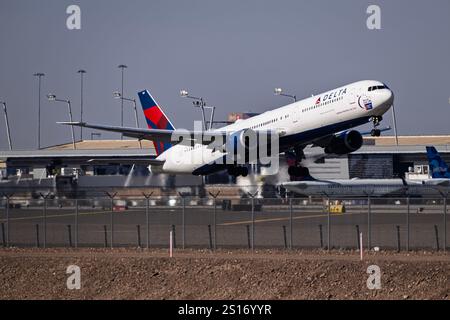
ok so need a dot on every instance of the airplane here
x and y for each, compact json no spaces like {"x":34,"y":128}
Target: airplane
{"x":324,"y":120}
{"x":440,"y":181}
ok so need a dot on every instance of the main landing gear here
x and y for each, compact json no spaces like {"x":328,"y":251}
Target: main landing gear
{"x":298,"y":171}
{"x":238,"y":171}
{"x":375,"y":132}
{"x":295,"y":169}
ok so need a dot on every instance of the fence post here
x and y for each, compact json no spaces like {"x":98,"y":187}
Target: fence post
{"x":328,"y":225}
{"x":284,"y":237}
{"x":248,"y":236}
{"x":138,"y":235}
{"x":45,"y":217}
{"x":147,"y":222}
{"x":183,"y":225}
{"x":37,"y":236}
{"x":253,"y":195}
{"x":358,"y":237}
{"x":76,"y":223}
{"x":106,"y":236}
{"x":112,"y":196}
{"x":253,"y":223}
{"x":69,"y":233}
{"x":290,"y":224}
{"x":321,"y":236}
{"x":147,"y":217}
{"x":398,"y":239}
{"x":3,"y":235}
{"x":45,"y":197}
{"x":437,"y":236}
{"x":215,"y":224}
{"x":7,"y":220}
{"x":174,"y":237}
{"x":210,"y":237}
{"x":445,"y":224}
{"x":407,"y":223}
{"x":369,"y":224}
{"x":215,"y":195}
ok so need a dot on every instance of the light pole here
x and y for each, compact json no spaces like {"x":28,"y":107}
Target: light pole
{"x":52,"y":97}
{"x":211,"y":121}
{"x":118,"y":95}
{"x":8,"y":133}
{"x":39,"y":75}
{"x":279,"y":92}
{"x":198,"y":102}
{"x":395,"y":125}
{"x":81,"y":72}
{"x":122,"y":67}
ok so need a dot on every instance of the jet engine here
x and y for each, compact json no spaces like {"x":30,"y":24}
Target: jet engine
{"x":345,"y":142}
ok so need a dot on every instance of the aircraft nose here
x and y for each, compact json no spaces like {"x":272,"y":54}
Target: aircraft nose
{"x":388,"y":97}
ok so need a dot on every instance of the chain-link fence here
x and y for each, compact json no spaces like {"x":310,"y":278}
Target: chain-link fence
{"x":112,"y":221}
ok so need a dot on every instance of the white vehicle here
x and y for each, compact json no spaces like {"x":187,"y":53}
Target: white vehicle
{"x":323,"y":120}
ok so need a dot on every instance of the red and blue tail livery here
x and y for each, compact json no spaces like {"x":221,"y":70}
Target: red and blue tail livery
{"x":156,"y":118}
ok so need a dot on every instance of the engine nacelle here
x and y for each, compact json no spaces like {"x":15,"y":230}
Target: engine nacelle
{"x":344,"y":143}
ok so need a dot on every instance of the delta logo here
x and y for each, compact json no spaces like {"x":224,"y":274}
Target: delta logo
{"x":365,"y":103}
{"x":332,"y":95}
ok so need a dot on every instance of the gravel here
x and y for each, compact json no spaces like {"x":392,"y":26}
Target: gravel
{"x":237,"y":274}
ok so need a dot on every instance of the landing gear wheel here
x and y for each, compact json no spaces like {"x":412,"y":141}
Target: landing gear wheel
{"x":375,"y":132}
{"x":298,"y":171}
{"x":291,"y":170}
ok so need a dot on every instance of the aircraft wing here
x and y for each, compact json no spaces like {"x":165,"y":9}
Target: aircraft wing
{"x":162,"y":135}
{"x":437,"y":182}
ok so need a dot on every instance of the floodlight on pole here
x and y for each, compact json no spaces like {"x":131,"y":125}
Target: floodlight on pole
{"x":52,"y":97}
{"x":81,"y":72}
{"x":39,"y":75}
{"x":122,"y":67}
{"x":198,"y":102}
{"x":118,"y":95}
{"x":279,"y":92}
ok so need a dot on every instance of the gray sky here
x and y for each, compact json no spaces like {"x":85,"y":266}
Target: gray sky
{"x":231,"y":52}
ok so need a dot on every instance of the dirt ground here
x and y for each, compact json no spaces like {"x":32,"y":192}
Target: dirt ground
{"x":237,"y":274}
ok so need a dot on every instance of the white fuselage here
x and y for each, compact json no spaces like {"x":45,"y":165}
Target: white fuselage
{"x":297,"y":123}
{"x":365,"y":187}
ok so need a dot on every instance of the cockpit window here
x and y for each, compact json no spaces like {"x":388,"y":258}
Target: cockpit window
{"x":373,"y":88}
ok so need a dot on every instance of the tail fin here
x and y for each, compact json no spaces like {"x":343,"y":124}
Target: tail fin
{"x":156,"y":119}
{"x":438,"y":167}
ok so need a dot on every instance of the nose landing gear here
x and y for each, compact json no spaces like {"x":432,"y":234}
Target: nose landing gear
{"x":375,"y":132}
